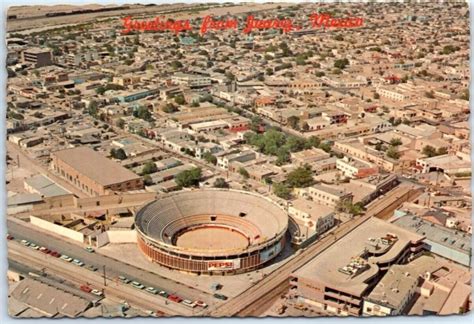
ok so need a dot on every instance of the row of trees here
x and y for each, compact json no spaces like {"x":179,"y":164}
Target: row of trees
{"x":300,"y":177}
{"x":276,"y":143}
{"x":430,"y":151}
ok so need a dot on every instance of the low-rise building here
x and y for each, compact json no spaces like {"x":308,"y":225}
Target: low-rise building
{"x":93,"y":173}
{"x":337,"y":280}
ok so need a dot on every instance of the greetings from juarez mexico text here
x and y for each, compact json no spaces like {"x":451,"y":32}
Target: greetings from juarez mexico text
{"x":209,"y":23}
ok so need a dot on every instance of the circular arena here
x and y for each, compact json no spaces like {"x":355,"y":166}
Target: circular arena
{"x":211,"y":231}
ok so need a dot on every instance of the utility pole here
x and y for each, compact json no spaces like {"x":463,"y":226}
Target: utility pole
{"x":105,"y":281}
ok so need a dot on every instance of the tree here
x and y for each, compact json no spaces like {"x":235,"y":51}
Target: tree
{"x":301,"y":177}
{"x":220,"y":183}
{"x":120,"y":123}
{"x":92,"y":109}
{"x":148,"y":180}
{"x":429,"y":94}
{"x":169,"y":108}
{"x":118,"y":154}
{"x":341,"y":63}
{"x":180,"y":100}
{"x":295,"y":144}
{"x":100,"y":90}
{"x":255,"y":123}
{"x":294,"y":122}
{"x":149,"y":167}
{"x":189,"y":178}
{"x":209,"y":158}
{"x":326,"y":147}
{"x":376,"y":96}
{"x":283,"y":156}
{"x":244,"y":173}
{"x":347,"y":207}
{"x":428,"y":151}
{"x":281,"y":190}
{"x":176,"y":65}
{"x":313,"y":141}
{"x":442,"y":151}
{"x":300,"y":60}
{"x":392,"y":152}
{"x":396,"y":141}
{"x":143,"y":113}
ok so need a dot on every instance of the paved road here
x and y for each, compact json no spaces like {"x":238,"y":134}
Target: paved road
{"x":14,"y":263}
{"x":113,"y":267}
{"x":58,"y":268}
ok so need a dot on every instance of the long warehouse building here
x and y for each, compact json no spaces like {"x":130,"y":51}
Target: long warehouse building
{"x":92,"y":172}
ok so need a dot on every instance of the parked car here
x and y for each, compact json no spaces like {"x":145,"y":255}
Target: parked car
{"x":124,"y":279}
{"x":89,"y":249}
{"x":137,"y":285}
{"x":86,"y":288}
{"x":9,"y":237}
{"x":96,"y":292}
{"x":78,"y":262}
{"x":175,"y":298}
{"x":34,"y":246}
{"x":66,"y":258}
{"x":151,"y":290}
{"x":201,"y":303}
{"x":44,"y":250}
{"x":188,"y":303}
{"x":159,"y":313}
{"x":54,"y":254}
{"x":163,"y":293}
{"x":219,"y":296}
{"x":91,"y":267}
{"x":25,"y":242}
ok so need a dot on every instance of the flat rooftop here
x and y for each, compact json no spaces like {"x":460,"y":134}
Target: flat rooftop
{"x":95,"y":166}
{"x":450,"y":238}
{"x":324,"y":268}
{"x":399,"y":279}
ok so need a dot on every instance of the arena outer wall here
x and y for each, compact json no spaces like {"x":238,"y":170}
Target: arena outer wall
{"x":161,"y":249}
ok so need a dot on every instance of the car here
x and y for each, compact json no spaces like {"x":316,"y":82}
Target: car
{"x":55,"y":254}
{"x":200,"y":303}
{"x":97,"y":292}
{"x":175,"y":298}
{"x":34,"y":246}
{"x":163,"y":293}
{"x":219,"y":296}
{"x":159,"y":313}
{"x":187,"y":302}
{"x":78,"y":262}
{"x":137,"y":285}
{"x":66,"y":258}
{"x":124,"y":279}
{"x":44,"y":250}
{"x":151,"y":290}
{"x":25,"y":242}
{"x":91,"y":267}
{"x":89,"y":249}
{"x":86,"y":288}
{"x":9,"y":237}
